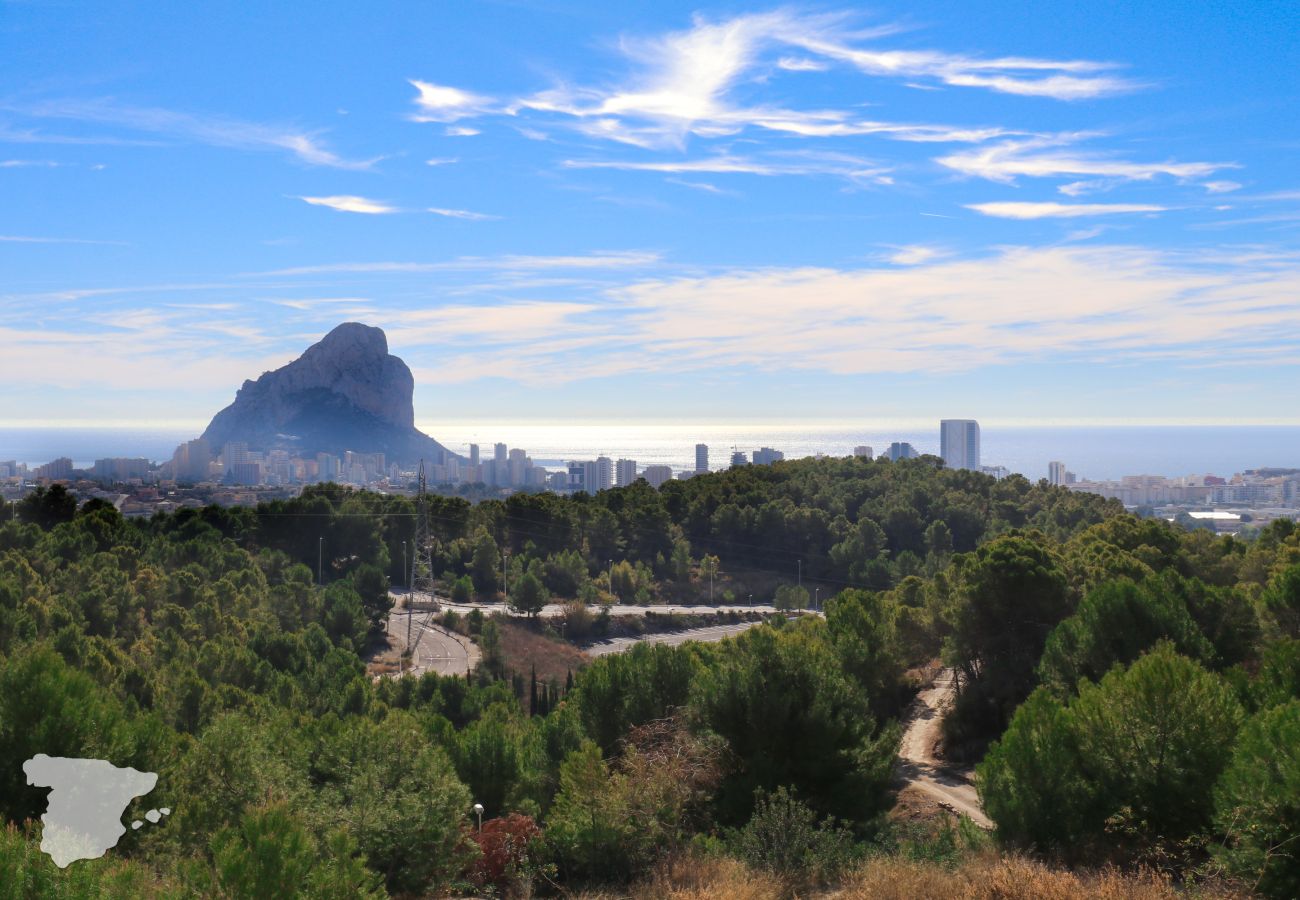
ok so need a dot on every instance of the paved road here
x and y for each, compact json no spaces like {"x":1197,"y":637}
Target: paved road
{"x":618,"y":609}
{"x":707,"y":633}
{"x":917,"y":765}
{"x":436,"y":648}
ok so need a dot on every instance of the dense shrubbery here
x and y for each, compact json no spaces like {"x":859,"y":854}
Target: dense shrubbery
{"x":1149,"y":677}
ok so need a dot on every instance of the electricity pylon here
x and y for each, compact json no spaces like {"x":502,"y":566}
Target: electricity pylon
{"x":421,"y":574}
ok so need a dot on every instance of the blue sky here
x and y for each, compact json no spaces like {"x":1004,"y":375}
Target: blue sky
{"x":1012,"y":211}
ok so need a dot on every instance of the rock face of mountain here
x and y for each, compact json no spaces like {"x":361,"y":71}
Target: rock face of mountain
{"x":345,"y":393}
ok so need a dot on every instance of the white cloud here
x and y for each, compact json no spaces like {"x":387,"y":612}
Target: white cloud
{"x":352,"y":203}
{"x":612,"y":259}
{"x":1221,"y":187}
{"x":801,"y":64}
{"x":1080,"y":188}
{"x":683,"y":82}
{"x":1105,"y":305}
{"x":843,"y":165}
{"x":462,"y":214}
{"x":218,"y":131}
{"x":461,"y":131}
{"x":1057,"y":79}
{"x":1099,"y":306}
{"x":28,"y":164}
{"x":915,"y":255}
{"x":1052,"y":157}
{"x":440,"y":103}
{"x":698,"y":185}
{"x":1023,"y":210}
{"x":310,"y":303}
{"x":441,"y":161}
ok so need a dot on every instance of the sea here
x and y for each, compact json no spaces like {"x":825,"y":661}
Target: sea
{"x":1092,"y":452}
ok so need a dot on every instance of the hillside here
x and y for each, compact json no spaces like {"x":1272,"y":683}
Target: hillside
{"x":1129,"y":691}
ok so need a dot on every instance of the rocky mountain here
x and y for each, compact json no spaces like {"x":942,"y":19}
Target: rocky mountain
{"x":346,"y":392}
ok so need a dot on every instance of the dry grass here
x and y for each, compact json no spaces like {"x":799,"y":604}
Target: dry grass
{"x":697,"y":878}
{"x":383,"y":657}
{"x":994,"y":877}
{"x":988,"y":876}
{"x":524,"y":645}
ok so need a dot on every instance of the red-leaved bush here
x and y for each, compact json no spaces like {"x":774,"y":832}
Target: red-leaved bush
{"x":504,"y":842}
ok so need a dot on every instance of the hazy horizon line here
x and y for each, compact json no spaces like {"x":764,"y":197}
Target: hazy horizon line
{"x":774,"y":422}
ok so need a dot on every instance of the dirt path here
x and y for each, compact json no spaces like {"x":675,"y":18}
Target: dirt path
{"x":917,"y":765}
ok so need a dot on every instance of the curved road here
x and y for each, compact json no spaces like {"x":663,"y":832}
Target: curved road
{"x":618,"y":609}
{"x":435,"y":648}
{"x":917,"y":765}
{"x":706,"y":633}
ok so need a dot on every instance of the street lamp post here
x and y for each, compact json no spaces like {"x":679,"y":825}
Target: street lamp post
{"x":611,"y":579}
{"x":478,"y":811}
{"x":817,"y":593}
{"x":320,"y":558}
{"x":505,"y":577}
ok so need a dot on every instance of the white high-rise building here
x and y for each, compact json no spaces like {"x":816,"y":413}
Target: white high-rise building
{"x":863,"y":451}
{"x":701,"y":458}
{"x":765,"y":456}
{"x":959,"y":443}
{"x":738,"y":458}
{"x":1056,"y":472}
{"x":624,"y":472}
{"x":518,"y":466}
{"x":604,"y":474}
{"x":190,"y":461}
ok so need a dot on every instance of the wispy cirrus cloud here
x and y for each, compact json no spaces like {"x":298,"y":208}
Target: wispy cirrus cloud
{"x":915,"y":254}
{"x":440,"y":103}
{"x":215,"y":130}
{"x":304,"y":304}
{"x":854,"y":168}
{"x":1221,"y":187}
{"x":802,"y":64}
{"x":705,"y":186}
{"x":353,"y":204}
{"x":1029,"y":210}
{"x":462,"y":214}
{"x":686,"y":83}
{"x":611,"y":259}
{"x":1025,"y":76}
{"x":1051,"y":157}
